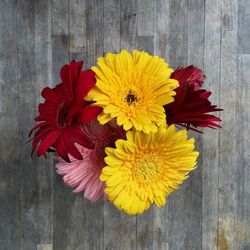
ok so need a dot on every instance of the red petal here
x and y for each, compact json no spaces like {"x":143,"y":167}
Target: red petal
{"x":61,"y":92}
{"x":71,"y":147}
{"x":47,"y":109}
{"x":51,"y":119}
{"x":78,"y":136}
{"x":75,"y":109}
{"x":79,"y":67}
{"x":64,"y":72}
{"x":88,"y":114}
{"x":189,"y":75}
{"x":49,"y":94}
{"x":65,"y":75}
{"x":48,"y":141}
{"x":73,"y":75}
{"x":37,"y":126}
{"x":69,"y":74}
{"x":74,"y":71}
{"x":182,"y":74}
{"x":85,"y":83}
{"x":39,"y":136}
{"x":61,"y":149}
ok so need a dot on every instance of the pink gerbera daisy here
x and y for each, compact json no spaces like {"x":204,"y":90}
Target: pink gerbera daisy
{"x":84,"y":174}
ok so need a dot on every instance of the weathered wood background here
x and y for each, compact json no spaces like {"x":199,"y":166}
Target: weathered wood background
{"x":211,"y":211}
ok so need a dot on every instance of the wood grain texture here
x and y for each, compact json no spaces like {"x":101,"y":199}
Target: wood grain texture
{"x":145,"y":42}
{"x":9,"y":128}
{"x":210,"y":178}
{"x":191,"y":195}
{"x":28,"y":172}
{"x":64,"y":217}
{"x":228,"y":155}
{"x":211,"y":210}
{"x":116,"y":225}
{"x":43,"y":77}
{"x":185,"y":203}
{"x":94,"y":212}
{"x":44,"y":247}
{"x":178,"y":33}
{"x":111,"y":43}
{"x":242,"y":218}
{"x":128,"y":24}
{"x":243,"y":27}
{"x":161,"y":48}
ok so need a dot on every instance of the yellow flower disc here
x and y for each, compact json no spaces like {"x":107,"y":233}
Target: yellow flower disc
{"x":133,"y":88}
{"x":146,"y":168}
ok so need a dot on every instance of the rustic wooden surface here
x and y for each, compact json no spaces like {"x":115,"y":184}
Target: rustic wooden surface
{"x":211,"y":211}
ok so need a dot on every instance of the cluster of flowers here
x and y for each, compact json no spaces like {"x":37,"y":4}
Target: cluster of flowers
{"x":113,"y":127}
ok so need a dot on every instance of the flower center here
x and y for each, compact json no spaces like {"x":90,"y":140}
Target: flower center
{"x":106,"y":140}
{"x":62,"y":117}
{"x":98,"y":154}
{"x":130,"y":98}
{"x":147,"y":169}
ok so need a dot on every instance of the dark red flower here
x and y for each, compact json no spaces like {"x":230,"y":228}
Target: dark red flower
{"x":63,"y":111}
{"x":191,"y":106}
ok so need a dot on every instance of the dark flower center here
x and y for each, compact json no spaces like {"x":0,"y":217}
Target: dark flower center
{"x":62,"y":117}
{"x":108,"y":140}
{"x":130,"y":98}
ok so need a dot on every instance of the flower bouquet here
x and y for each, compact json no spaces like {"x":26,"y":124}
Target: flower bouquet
{"x":114,"y":128}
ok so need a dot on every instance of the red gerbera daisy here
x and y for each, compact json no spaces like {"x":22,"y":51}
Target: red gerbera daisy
{"x":63,"y":111}
{"x":191,"y":105}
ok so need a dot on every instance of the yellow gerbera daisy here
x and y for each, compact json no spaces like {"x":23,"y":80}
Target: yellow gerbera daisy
{"x":133,"y":88}
{"x":145,"y":168}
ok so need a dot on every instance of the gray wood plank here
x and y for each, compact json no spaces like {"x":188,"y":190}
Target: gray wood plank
{"x":144,"y":232}
{"x":185,"y":203}
{"x":146,"y":18}
{"x":77,"y":27}
{"x":160,"y":227}
{"x":43,"y":77}
{"x":229,"y":14}
{"x":145,"y":42}
{"x":111,"y":25}
{"x":161,"y":48}
{"x":196,"y":25}
{"x":128,"y":24}
{"x":44,"y":247}
{"x":162,"y":28}
{"x":112,"y":228}
{"x":242,"y":144}
{"x":178,"y":33}
{"x":60,"y":17}
{"x":228,"y":151}
{"x":112,"y":217}
{"x":128,"y":39}
{"x":27,"y":110}
{"x":67,"y":206}
{"x":9,"y":128}
{"x":243,"y":26}
{"x":193,"y":191}
{"x":211,"y":137}
{"x":93,"y":212}
{"x":94,"y":31}
{"x":68,"y":43}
